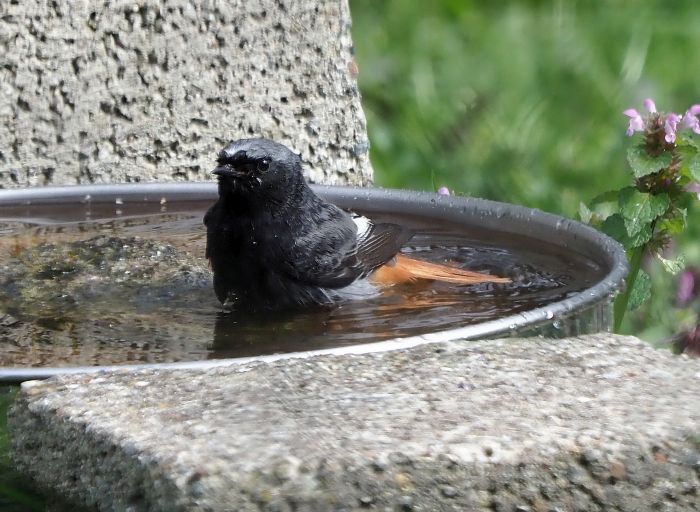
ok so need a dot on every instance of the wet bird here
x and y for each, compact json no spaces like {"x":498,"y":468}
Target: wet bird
{"x":274,"y":244}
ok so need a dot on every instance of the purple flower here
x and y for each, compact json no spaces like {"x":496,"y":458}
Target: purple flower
{"x":636,"y":121}
{"x":688,"y":286}
{"x":694,"y":187}
{"x":671,"y":126}
{"x":650,"y":105}
{"x":690,"y":119}
{"x":671,"y":121}
{"x":443,"y":191}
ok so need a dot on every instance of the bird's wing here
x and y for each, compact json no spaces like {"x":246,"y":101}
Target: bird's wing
{"x":378,"y":243}
{"x":337,"y":252}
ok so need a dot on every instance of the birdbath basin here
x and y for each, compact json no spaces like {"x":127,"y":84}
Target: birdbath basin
{"x":75,"y":258}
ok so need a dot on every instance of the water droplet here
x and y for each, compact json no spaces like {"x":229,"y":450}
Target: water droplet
{"x":550,"y":315}
{"x":557,"y":324}
{"x":118,"y":200}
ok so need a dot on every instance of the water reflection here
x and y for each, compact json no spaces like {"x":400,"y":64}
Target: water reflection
{"x":137,"y":290}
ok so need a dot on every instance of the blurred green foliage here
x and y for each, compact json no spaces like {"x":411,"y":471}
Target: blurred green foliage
{"x":521,"y":101}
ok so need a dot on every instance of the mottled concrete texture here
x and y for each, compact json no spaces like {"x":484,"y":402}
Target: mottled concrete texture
{"x":126,"y":91}
{"x":599,"y":423}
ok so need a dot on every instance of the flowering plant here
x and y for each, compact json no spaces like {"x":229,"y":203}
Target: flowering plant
{"x":643,"y":217}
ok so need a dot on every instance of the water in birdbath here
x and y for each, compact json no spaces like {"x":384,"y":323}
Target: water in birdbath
{"x":113,"y":285}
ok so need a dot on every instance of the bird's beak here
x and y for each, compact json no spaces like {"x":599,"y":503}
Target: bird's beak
{"x":224,"y":170}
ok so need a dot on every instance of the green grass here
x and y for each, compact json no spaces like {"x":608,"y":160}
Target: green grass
{"x":521,"y":101}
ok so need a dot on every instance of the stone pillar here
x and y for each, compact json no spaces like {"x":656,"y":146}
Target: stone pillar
{"x":147,"y":90}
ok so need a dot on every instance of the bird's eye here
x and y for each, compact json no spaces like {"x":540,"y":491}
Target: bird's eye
{"x":263,"y":164}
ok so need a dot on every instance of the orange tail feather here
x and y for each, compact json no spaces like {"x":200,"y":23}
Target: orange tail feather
{"x":406,"y":270}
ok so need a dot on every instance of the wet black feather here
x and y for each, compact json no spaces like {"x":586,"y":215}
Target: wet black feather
{"x":274,"y":244}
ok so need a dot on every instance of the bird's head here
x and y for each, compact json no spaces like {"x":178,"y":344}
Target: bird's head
{"x":258,"y":168}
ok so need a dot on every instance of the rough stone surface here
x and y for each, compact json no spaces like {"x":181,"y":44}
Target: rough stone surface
{"x":598,"y":423}
{"x":126,"y":91}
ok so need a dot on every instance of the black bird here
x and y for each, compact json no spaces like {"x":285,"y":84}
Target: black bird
{"x":274,"y":244}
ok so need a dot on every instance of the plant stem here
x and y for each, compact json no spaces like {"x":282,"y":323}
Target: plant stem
{"x":620,"y":307}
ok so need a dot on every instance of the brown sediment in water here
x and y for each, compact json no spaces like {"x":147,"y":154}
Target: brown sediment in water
{"x":138,"y":289}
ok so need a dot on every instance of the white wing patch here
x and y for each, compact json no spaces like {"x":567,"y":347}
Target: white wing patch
{"x":364,"y":226}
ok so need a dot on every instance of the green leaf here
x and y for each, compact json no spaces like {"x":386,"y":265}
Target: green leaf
{"x":614,"y":227}
{"x":674,"y":224}
{"x":690,"y":161}
{"x":673,"y":266}
{"x":643,"y":164}
{"x":640,"y":238}
{"x":641,"y":291}
{"x":584,"y":213}
{"x":691,"y":140}
{"x":640,"y":209}
{"x":606,"y":197}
